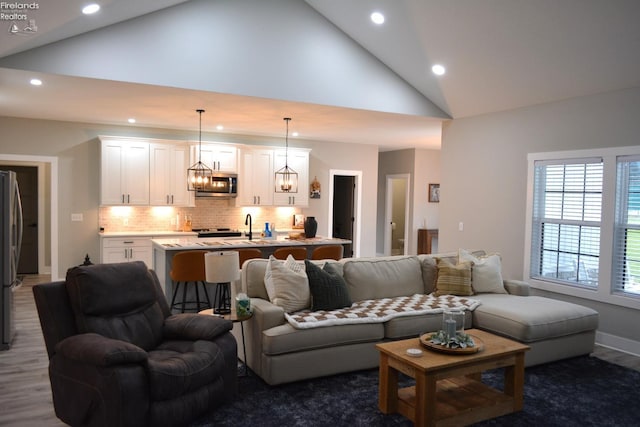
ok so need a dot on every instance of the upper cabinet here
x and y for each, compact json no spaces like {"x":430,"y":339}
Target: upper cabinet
{"x":298,"y":160}
{"x":124,"y":172}
{"x":255,"y":177}
{"x":219,"y":157}
{"x":168,"y":166}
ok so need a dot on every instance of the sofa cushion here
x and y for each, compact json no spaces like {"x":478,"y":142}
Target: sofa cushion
{"x":287,"y":284}
{"x":177,"y":368}
{"x":529,"y":319}
{"x":287,"y":339}
{"x":486,"y":273}
{"x":453,"y":279}
{"x":383,"y":277}
{"x":328,"y":289}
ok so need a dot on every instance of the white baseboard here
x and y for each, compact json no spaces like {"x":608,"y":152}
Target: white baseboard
{"x":618,"y":343}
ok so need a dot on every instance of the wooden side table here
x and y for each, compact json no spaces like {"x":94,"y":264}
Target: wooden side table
{"x":235,"y":319}
{"x":425,"y":240}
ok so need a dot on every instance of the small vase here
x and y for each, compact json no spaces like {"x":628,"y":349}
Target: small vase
{"x":310,"y":227}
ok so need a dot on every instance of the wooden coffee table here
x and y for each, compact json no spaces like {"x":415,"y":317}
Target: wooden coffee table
{"x":448,"y":389}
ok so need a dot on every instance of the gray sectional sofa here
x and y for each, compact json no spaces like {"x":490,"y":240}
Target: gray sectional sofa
{"x":279,"y":352}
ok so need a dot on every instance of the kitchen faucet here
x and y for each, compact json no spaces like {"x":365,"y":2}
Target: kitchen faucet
{"x":247,"y":221}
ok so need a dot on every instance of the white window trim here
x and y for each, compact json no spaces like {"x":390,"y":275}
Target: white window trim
{"x":604,"y":292}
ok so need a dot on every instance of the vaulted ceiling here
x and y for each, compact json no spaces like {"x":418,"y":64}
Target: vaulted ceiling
{"x":323,"y":62}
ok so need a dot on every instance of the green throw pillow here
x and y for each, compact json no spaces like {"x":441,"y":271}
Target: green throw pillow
{"x":328,"y":288}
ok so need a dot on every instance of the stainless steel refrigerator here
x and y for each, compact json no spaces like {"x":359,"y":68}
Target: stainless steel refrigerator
{"x":10,"y":243}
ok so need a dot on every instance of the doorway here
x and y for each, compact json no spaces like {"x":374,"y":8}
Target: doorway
{"x":344,"y":208}
{"x":396,"y":230}
{"x":27,"y":177}
{"x":47,"y":209}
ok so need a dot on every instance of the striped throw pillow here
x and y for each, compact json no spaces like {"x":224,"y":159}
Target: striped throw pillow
{"x":454,"y":279}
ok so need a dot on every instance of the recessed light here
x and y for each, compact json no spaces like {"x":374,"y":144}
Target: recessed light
{"x":220,"y":127}
{"x":131,"y":120}
{"x":91,"y":9}
{"x":377,"y":18}
{"x":36,"y":82}
{"x":438,"y":69}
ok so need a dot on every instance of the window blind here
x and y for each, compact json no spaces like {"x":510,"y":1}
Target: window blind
{"x":567,"y":209}
{"x":626,"y":250}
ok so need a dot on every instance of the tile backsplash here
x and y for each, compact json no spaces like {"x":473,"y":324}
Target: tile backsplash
{"x":207,"y":213}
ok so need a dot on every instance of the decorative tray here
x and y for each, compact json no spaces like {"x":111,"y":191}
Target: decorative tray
{"x":425,"y":341}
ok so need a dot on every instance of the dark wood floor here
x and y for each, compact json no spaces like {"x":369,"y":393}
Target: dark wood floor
{"x":25,"y":393}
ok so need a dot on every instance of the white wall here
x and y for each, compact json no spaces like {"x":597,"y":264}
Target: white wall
{"x":76,"y":147}
{"x":484,"y":172}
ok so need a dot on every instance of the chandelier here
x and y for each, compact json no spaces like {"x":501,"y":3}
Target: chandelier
{"x":199,"y":175}
{"x":286,"y":179}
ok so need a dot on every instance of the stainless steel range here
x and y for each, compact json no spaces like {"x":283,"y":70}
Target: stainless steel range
{"x":217,"y":232}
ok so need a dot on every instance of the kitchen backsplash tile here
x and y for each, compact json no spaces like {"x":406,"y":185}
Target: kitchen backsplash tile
{"x":207,"y":214}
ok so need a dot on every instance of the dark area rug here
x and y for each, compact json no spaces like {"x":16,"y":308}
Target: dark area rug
{"x":583,"y":391}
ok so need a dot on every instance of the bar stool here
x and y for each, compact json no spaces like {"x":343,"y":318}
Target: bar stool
{"x":298,"y":252}
{"x":245,"y":254}
{"x":188,"y":268}
{"x":328,"y":252}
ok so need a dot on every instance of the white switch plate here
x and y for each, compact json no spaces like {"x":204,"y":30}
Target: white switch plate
{"x":460,"y":226}
{"x":77,"y":217}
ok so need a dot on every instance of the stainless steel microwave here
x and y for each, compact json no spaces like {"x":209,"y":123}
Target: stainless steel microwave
{"x":222,"y":185}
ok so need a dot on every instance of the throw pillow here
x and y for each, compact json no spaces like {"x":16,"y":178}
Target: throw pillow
{"x":287,"y":284}
{"x":453,"y":279}
{"x":486,"y":275}
{"x":328,"y":288}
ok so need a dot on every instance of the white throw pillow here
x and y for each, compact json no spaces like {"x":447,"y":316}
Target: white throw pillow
{"x":486,"y":273}
{"x":287,"y":284}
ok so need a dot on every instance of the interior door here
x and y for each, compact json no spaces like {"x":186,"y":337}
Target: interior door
{"x":344,"y":209}
{"x":27,"y":177}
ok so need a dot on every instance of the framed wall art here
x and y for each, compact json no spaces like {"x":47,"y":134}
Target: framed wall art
{"x":434,"y":193}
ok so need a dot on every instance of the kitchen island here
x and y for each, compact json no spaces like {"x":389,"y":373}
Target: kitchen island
{"x":165,"y":249}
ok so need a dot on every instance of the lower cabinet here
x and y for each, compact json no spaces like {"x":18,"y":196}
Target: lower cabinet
{"x":124,"y":249}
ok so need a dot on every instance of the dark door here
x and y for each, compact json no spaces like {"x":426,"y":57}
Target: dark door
{"x":344,"y":209}
{"x":27,"y":177}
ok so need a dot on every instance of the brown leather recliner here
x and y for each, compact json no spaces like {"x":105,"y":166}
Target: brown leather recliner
{"x":117,"y":357}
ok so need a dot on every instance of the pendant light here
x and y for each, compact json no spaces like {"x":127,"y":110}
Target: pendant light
{"x":286,"y":179}
{"x":199,"y":175}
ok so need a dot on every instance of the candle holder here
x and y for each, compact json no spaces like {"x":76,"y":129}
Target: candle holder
{"x":452,"y":323}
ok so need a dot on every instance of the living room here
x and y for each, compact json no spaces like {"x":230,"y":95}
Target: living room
{"x":483,"y":164}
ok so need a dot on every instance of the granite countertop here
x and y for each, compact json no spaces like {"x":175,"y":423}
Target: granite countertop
{"x":147,"y":233}
{"x":213,"y":243}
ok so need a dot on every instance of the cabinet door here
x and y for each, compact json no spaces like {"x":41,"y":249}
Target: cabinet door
{"x":168,"y":170}
{"x":123,"y":249}
{"x":180,"y":196}
{"x":255,"y":182}
{"x":136,"y":173}
{"x":220,"y":158}
{"x":298,"y":160}
{"x":124,"y":173}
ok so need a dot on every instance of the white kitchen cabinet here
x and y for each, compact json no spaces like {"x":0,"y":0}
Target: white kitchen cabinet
{"x":255,"y":178}
{"x":168,"y":166}
{"x":219,"y":157}
{"x":124,"y":172}
{"x":298,"y":160}
{"x":125,"y":249}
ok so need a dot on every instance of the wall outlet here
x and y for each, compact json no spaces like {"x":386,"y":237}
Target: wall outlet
{"x":77,"y":217}
{"x":461,"y":226}
{"x":125,"y":222}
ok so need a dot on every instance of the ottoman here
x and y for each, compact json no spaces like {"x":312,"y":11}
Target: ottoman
{"x":553,"y":329}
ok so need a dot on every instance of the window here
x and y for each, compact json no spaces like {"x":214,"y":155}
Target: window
{"x":583,"y":224}
{"x":626,"y":254}
{"x":566,"y":221}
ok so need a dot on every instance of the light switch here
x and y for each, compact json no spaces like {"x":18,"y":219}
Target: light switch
{"x":460,"y":226}
{"x":77,"y":217}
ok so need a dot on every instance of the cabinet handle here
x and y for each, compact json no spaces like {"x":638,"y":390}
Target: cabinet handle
{"x":258,"y":199}
{"x":218,"y":164}
{"x":128,"y":198}
{"x":172,"y":199}
{"x":123,"y":198}
{"x":167,"y":199}
{"x":128,"y":243}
